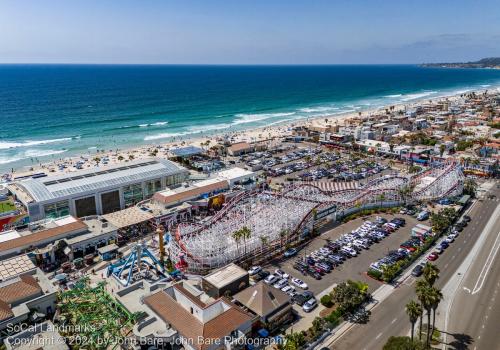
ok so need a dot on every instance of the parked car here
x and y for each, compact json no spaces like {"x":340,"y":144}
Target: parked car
{"x":299,"y":283}
{"x":290,"y":252}
{"x":444,"y":244}
{"x":271,"y":279}
{"x":466,"y":218}
{"x":310,"y":305}
{"x":281,"y":283}
{"x":423,"y":215}
{"x":433,"y":256}
{"x":281,"y":273}
{"x":417,"y":270}
{"x":261,"y":275}
{"x":254,"y":270}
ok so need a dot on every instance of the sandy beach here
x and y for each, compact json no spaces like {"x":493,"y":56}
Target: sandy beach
{"x":67,"y":164}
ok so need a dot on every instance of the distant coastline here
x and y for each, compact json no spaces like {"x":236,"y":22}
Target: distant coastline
{"x":485,"y":63}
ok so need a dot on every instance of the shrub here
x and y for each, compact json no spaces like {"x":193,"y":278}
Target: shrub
{"x":326,"y":300}
{"x":375,"y":274}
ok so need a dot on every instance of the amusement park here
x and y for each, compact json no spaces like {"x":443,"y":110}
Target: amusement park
{"x":260,"y":221}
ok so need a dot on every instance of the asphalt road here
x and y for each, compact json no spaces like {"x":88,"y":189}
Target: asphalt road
{"x":474,"y":316}
{"x":389,"y":317}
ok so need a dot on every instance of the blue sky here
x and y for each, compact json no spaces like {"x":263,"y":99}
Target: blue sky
{"x":248,"y":32}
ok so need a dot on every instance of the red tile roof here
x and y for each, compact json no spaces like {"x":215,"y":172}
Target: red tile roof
{"x":26,"y":287}
{"x":37,"y":237}
{"x":189,"y":326}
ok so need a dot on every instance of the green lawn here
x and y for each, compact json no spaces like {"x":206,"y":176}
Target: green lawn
{"x":6,"y":206}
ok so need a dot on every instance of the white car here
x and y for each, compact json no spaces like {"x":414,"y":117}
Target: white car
{"x":288,"y":289}
{"x":281,"y":273}
{"x":254,"y":270}
{"x":453,"y":234}
{"x":299,"y":283}
{"x":271,"y":279}
{"x":349,"y":251}
{"x":281,"y":283}
{"x":450,"y":239}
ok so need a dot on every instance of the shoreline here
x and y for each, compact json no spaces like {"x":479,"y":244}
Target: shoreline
{"x":261,"y":133}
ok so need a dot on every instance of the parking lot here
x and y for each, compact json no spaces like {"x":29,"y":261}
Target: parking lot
{"x":354,"y":268}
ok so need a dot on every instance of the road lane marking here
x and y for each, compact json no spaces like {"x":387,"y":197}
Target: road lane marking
{"x":467,"y":290}
{"x":394,"y":321}
{"x":379,"y":335}
{"x":487,"y":265}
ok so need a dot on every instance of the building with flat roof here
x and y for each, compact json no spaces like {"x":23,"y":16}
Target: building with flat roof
{"x":71,"y":237}
{"x":229,"y":279}
{"x":97,"y":191}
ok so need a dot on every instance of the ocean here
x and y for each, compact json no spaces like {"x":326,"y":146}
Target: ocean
{"x":53,"y":111}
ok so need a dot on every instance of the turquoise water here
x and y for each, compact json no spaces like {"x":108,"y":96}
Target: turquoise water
{"x":52,"y":111}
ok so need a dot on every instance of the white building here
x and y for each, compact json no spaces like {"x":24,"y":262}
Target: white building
{"x":100,"y":190}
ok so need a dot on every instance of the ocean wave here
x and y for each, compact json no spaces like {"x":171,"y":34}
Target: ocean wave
{"x":145,"y":125}
{"x":393,"y":96}
{"x":317,"y":109}
{"x":202,"y":128}
{"x":28,"y":143}
{"x":417,"y":96}
{"x":166,"y":135}
{"x":30,"y":153}
{"x":485,"y":85}
{"x":251,"y":118}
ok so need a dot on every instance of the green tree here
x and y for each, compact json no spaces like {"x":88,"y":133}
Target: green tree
{"x":470,"y":187}
{"x":437,"y":296}
{"x":425,"y":296}
{"x":442,"y":148}
{"x":294,"y":340}
{"x":403,"y":343}
{"x":431,"y":273}
{"x":246,"y":233}
{"x":237,"y":236}
{"x":414,"y":311}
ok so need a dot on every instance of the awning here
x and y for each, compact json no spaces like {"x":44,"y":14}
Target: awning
{"x":128,"y":217}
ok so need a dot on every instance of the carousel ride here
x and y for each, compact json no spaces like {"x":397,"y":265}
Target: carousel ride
{"x":255,"y":221}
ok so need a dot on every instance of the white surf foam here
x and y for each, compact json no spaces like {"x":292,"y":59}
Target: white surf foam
{"x":28,"y":143}
{"x":251,"y":118}
{"x":318,"y":109}
{"x":393,"y":96}
{"x":417,"y":96}
{"x":30,"y":153}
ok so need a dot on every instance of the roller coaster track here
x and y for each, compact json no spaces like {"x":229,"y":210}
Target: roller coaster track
{"x":432,"y":184}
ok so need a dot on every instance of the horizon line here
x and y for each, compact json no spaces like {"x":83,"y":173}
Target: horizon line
{"x":202,"y":64}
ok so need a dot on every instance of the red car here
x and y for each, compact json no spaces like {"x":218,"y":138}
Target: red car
{"x":432,"y":256}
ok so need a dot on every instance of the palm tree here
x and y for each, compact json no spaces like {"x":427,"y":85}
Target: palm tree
{"x":431,"y":273}
{"x":420,"y":287}
{"x":263,"y":241}
{"x":414,"y":311}
{"x":245,"y":234}
{"x":237,"y":238}
{"x":437,"y":296}
{"x":426,"y":298}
